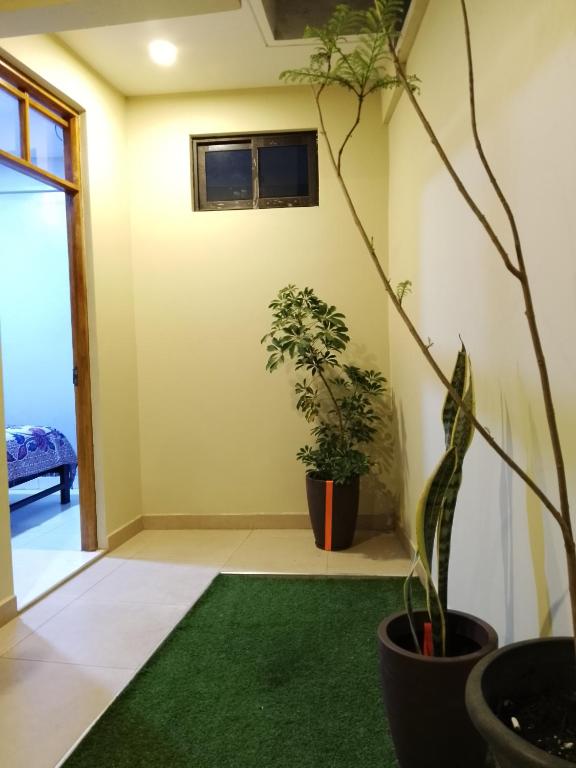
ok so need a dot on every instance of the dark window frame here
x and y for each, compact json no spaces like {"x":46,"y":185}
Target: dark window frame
{"x":200,"y":145}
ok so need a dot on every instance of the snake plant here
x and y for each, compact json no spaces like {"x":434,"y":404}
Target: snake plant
{"x":436,"y":507}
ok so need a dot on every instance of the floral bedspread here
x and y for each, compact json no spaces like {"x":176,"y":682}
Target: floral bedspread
{"x":31,"y":450}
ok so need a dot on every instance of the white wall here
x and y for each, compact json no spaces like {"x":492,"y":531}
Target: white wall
{"x":35,"y":311}
{"x":507,"y":562}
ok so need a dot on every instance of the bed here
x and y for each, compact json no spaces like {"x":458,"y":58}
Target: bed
{"x":33,"y":452}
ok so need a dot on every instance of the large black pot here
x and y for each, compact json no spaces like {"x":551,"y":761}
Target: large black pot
{"x":529,"y":668}
{"x":424,"y":696}
{"x":333,"y":510}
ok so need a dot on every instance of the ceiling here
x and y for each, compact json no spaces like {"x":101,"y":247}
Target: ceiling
{"x":222,"y":44}
{"x":23,"y":17}
{"x":216,"y":51}
{"x":233,"y":46}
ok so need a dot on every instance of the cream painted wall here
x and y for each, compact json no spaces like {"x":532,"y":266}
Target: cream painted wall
{"x":507,"y":561}
{"x":219,"y":434}
{"x":110,"y":274}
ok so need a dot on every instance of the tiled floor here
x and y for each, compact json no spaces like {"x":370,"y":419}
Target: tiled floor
{"x":66,"y":658}
{"x":45,"y":544}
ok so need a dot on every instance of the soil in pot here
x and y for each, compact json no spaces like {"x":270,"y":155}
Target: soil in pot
{"x":547,"y":720}
{"x":534,"y":682}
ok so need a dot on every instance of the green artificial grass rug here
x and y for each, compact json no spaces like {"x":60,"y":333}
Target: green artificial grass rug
{"x":262,"y":673}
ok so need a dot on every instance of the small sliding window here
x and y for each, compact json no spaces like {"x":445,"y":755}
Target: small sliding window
{"x":272,"y":170}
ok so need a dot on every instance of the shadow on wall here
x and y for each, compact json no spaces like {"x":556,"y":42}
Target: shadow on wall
{"x":506,"y":530}
{"x":403,"y":466}
{"x":546,"y":611}
{"x":535,"y":513}
{"x":382,"y":488}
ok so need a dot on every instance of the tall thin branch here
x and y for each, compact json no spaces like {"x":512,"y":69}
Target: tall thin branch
{"x":350,"y":132}
{"x":533,"y":328}
{"x":401,"y":74}
{"x":478,"y":143}
{"x":381,"y":22}
{"x":423,"y":346}
{"x":529,"y":305}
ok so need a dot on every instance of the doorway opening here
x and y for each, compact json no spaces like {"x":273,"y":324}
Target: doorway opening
{"x":44,"y":338}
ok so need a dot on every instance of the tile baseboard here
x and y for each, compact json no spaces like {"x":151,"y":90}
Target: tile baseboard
{"x":8,"y":610}
{"x":125,"y":532}
{"x":252,"y":522}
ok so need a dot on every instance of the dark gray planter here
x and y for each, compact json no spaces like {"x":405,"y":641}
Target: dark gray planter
{"x":521,"y":669}
{"x":333,"y":512}
{"x":424,"y":696}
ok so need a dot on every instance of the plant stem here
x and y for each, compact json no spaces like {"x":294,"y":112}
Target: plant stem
{"x":336,"y":406}
{"x":401,"y":74}
{"x":528,"y":302}
{"x":350,"y":132}
{"x":423,"y":346}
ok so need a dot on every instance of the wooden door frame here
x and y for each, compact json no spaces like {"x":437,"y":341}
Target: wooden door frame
{"x":31,"y":93}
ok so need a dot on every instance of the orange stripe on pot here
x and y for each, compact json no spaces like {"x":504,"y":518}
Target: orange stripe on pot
{"x":328,"y":515}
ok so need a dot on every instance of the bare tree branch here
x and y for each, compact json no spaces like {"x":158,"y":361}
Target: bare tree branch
{"x":423,"y":346}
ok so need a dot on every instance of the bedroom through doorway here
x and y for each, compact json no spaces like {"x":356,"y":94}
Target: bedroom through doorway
{"x":44,"y":338}
{"x":37,"y":366}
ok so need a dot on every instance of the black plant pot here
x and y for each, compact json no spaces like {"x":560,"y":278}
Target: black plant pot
{"x":529,"y":668}
{"x":424,"y":696}
{"x":333,"y":510}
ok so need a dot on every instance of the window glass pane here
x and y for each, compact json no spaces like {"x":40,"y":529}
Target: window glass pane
{"x":228,"y":175}
{"x":46,"y":143}
{"x":9,"y":123}
{"x":283,"y":171}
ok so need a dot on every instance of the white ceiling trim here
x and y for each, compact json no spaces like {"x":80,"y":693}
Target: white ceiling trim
{"x":26,"y":17}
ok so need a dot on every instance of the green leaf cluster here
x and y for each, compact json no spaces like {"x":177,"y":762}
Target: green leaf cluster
{"x":435,"y":514}
{"x":338,"y":398}
{"x":403,"y":289}
{"x":367,"y":67}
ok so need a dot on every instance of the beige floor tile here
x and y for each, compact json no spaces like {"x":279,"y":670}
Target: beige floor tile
{"x":276,"y":552}
{"x":199,"y":547}
{"x":37,"y":570}
{"x":30,"y":619}
{"x":140,"y":581}
{"x":87,"y":578}
{"x":130,"y":547}
{"x":122,"y":636}
{"x":45,"y":708}
{"x":299,"y":536}
{"x":113,"y":615}
{"x":207,"y":537}
{"x":377,"y":554}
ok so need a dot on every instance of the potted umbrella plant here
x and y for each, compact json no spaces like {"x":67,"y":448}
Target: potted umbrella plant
{"x":338,"y":398}
{"x":539,"y":673}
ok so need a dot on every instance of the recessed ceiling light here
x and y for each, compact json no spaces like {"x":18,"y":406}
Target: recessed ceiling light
{"x":162,"y":52}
